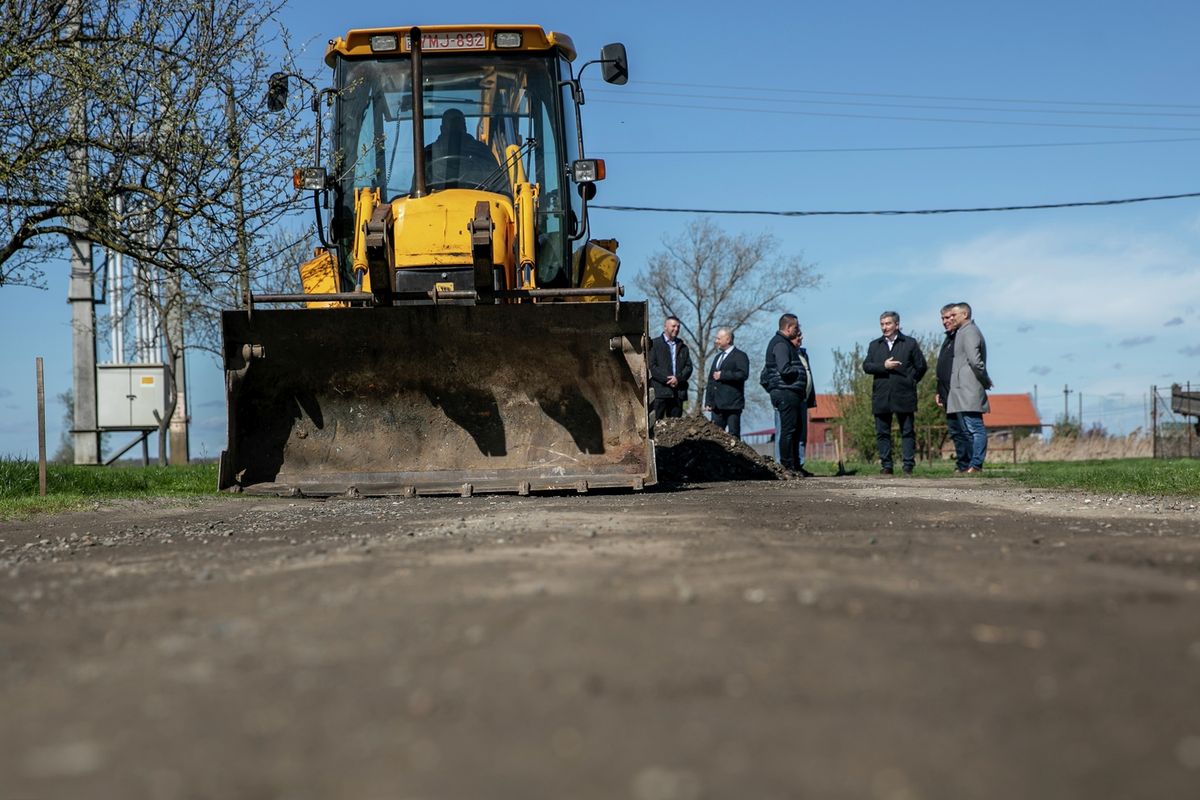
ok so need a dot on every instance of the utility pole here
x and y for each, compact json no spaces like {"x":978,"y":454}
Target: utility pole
{"x":1066,"y":405}
{"x":81,"y":292}
{"x":234,"y":137}
{"x":1154,"y":422}
{"x":178,"y":430}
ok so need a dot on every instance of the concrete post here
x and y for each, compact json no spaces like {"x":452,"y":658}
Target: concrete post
{"x":178,"y":432}
{"x":80,"y":294}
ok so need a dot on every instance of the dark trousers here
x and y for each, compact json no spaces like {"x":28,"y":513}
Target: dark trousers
{"x":801,"y":437}
{"x":790,"y":406}
{"x":728,"y":421}
{"x":908,"y":438}
{"x":962,"y":442}
{"x":663,"y":407}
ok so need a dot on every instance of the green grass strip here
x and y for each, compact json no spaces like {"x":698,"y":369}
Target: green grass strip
{"x":1144,"y":476}
{"x":69,"y":486}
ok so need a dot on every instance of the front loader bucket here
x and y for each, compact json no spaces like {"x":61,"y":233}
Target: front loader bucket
{"x":437,"y":399}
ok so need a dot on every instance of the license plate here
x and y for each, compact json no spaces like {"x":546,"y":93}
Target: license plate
{"x":455,"y":40}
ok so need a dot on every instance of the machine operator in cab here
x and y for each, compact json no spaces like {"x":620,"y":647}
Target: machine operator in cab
{"x":456,"y":159}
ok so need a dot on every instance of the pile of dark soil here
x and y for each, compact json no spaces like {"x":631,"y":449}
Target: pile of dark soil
{"x":691,"y":448}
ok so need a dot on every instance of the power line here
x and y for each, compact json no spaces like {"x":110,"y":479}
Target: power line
{"x":927,"y":211}
{"x":864,"y":104}
{"x":788,"y":90}
{"x":777,"y":151}
{"x":951,"y":120}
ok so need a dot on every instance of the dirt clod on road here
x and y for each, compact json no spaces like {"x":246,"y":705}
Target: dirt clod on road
{"x":691,"y":448}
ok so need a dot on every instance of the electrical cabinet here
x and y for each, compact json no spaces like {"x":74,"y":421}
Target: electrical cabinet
{"x":129,"y":394}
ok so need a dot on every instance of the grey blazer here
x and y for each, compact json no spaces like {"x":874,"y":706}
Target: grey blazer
{"x":969,"y":381}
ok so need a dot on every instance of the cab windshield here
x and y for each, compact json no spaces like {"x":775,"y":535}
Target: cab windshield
{"x":483,"y":117}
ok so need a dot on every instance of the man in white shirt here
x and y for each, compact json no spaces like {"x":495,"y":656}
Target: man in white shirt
{"x":670,"y":367}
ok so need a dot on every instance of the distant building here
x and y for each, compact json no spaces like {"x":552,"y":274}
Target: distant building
{"x":1014,"y":413}
{"x":822,"y":431}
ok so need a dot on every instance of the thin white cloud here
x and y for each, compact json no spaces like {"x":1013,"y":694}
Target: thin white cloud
{"x":1135,"y":341}
{"x":1123,"y":280}
{"x":1172,"y":322}
{"x":1040,"y":370}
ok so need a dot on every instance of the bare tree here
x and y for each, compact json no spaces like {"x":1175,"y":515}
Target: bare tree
{"x":712,"y":279}
{"x":170,"y":95}
{"x":158,"y":80}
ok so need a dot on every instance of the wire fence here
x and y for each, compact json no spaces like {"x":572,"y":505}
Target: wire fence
{"x":1174,"y":419}
{"x":1174,"y":432}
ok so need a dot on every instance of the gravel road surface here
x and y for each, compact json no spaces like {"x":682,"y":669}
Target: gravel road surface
{"x":853,"y":637}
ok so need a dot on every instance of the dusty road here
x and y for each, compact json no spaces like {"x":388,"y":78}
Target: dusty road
{"x":831,"y":638}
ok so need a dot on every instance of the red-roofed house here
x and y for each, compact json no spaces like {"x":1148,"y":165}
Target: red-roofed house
{"x":1012,"y":412}
{"x":822,"y":431}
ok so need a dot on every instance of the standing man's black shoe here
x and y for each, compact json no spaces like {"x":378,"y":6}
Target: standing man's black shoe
{"x":885,"y":471}
{"x":908,"y":470}
{"x":805,"y":472}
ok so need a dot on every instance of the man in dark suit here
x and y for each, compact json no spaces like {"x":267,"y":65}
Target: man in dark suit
{"x":670,"y":367}
{"x":897,"y":364}
{"x":725,"y":387}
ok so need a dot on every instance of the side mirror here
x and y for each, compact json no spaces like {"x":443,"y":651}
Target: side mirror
{"x":614,"y":64}
{"x":277,"y":91}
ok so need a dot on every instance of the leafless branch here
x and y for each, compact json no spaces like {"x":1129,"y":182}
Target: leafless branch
{"x":712,"y":279}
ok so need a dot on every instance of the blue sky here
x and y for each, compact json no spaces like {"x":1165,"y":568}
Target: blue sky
{"x":862,"y":106}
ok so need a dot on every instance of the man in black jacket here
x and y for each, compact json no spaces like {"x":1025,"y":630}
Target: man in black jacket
{"x":785,"y":381}
{"x":797,"y":341}
{"x":670,"y":367}
{"x":725,"y":387}
{"x":897,"y":364}
{"x":810,"y":401}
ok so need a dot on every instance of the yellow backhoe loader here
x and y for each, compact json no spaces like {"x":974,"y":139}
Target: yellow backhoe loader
{"x":459,"y":330}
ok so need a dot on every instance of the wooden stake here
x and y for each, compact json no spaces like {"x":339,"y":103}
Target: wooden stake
{"x":41,"y":422}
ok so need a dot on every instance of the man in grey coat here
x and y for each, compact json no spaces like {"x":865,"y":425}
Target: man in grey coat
{"x":945,"y":368}
{"x":969,"y":383}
